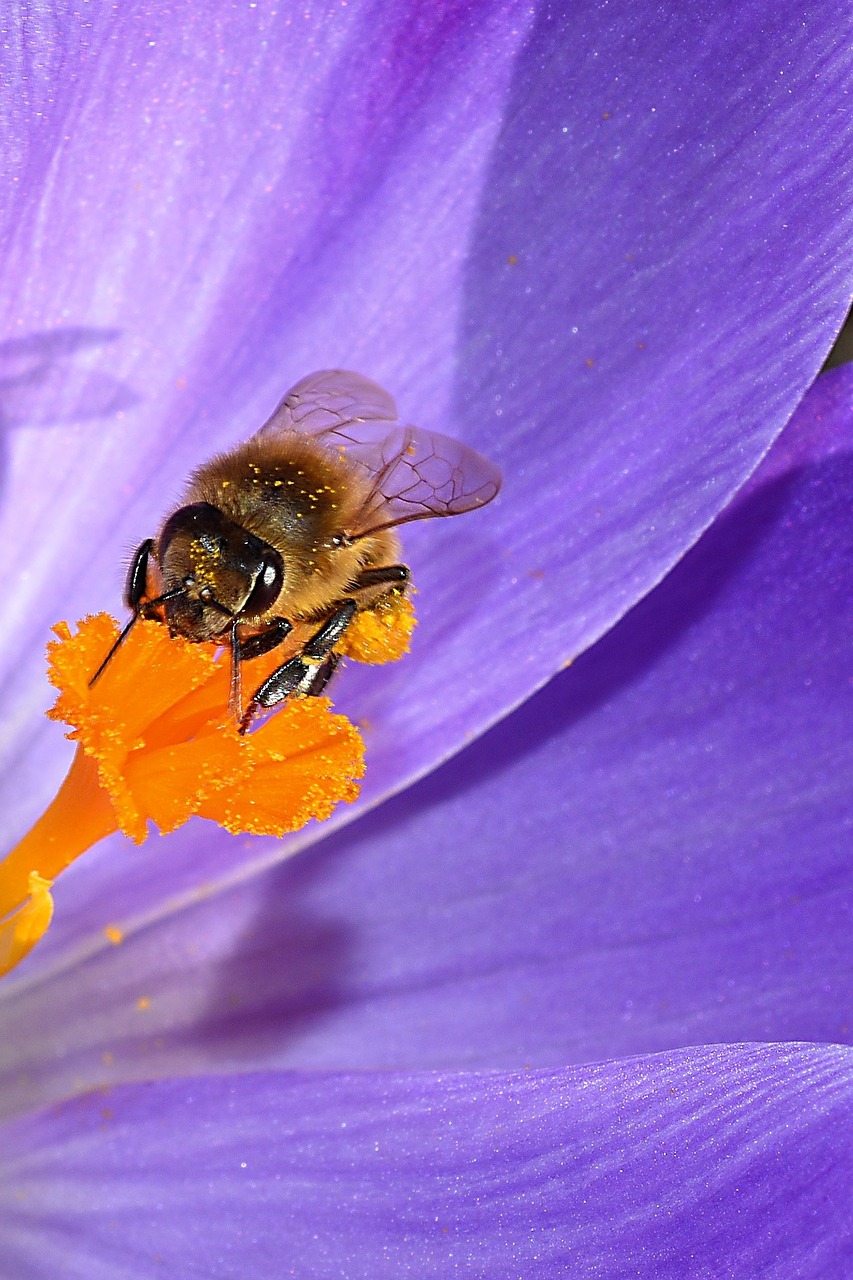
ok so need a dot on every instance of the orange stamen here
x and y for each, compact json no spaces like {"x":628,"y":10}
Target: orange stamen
{"x":156,"y":744}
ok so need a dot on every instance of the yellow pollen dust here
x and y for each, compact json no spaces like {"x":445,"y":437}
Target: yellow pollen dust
{"x":382,"y":633}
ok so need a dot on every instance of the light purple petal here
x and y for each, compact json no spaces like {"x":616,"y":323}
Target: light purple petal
{"x":652,"y":852}
{"x":440,"y":197}
{"x":705,"y":1163}
{"x":267,"y":196}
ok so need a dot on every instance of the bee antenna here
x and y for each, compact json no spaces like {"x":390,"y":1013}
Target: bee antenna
{"x":122,"y":636}
{"x":113,"y":651}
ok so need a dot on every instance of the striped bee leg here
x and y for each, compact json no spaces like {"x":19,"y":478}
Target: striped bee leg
{"x":306,"y":674}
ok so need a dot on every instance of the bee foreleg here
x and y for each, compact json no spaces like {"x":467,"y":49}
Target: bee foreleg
{"x":308,"y":673}
{"x":323,"y":642}
{"x":268,"y":640}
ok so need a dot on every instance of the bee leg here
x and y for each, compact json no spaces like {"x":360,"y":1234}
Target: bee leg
{"x":391,"y":575}
{"x":306,"y":674}
{"x":268,"y":640}
{"x":322,"y":676}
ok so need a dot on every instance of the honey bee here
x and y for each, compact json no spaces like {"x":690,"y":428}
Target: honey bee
{"x":297,"y":526}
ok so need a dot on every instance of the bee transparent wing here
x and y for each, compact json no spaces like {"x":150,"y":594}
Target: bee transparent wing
{"x":413,"y":474}
{"x":329,"y":399}
{"x":416,"y":474}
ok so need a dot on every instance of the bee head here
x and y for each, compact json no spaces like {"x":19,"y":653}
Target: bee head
{"x":225,"y":572}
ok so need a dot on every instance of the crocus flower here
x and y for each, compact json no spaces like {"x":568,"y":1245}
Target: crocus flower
{"x":538,"y":1013}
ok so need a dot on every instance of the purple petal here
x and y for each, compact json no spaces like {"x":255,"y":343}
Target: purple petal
{"x":652,"y":852}
{"x":610,"y":251}
{"x":710,"y":1162}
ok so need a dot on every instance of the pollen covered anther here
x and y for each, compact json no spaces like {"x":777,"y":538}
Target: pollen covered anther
{"x":156,"y":743}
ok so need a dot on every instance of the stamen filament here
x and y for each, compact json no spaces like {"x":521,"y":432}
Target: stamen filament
{"x":79,"y":816}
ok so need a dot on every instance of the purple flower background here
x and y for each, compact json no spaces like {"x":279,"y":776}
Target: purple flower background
{"x":538,"y":1013}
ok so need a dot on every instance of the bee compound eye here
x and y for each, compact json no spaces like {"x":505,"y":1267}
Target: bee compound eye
{"x":267,"y":586}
